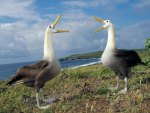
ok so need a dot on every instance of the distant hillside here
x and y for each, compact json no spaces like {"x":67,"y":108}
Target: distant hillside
{"x":96,"y":54}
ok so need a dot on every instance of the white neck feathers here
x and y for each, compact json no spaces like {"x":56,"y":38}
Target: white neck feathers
{"x":48,"y":47}
{"x":111,"y":44}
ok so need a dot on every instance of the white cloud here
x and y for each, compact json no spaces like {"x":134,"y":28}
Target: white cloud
{"x":7,"y":25}
{"x":142,"y":5}
{"x":18,"y":9}
{"x":80,"y":4}
{"x":103,"y":5}
{"x":93,"y":3}
{"x":23,"y":39}
{"x":20,"y":38}
{"x":133,"y":36}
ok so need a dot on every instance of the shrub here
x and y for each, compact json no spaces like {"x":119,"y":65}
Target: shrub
{"x":147,"y":45}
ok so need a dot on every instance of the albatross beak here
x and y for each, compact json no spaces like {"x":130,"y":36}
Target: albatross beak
{"x":56,"y":21}
{"x":100,"y":20}
{"x":61,"y":31}
{"x":101,"y":28}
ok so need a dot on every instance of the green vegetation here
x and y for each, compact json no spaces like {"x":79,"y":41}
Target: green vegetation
{"x":83,"y":90}
{"x":147,"y":45}
{"x":84,"y":55}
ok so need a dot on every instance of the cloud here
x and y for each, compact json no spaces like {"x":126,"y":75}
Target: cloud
{"x":143,"y":5}
{"x":22,"y":40}
{"x":7,"y":25}
{"x":80,"y":4}
{"x":21,"y":9}
{"x":93,"y":3}
{"x":104,"y":5}
{"x":133,"y":36}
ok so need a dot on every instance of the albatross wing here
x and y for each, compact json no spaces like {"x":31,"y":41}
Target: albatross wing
{"x":129,"y":56}
{"x":28,"y":73}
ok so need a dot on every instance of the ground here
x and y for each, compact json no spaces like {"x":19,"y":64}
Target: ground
{"x":83,"y":90}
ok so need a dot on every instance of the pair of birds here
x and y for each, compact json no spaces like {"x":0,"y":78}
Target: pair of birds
{"x":36,"y":75}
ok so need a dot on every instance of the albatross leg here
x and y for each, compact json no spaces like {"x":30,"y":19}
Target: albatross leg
{"x":117,"y":85}
{"x":41,"y":94}
{"x":125,"y":89}
{"x":37,"y":99}
{"x":38,"y":103}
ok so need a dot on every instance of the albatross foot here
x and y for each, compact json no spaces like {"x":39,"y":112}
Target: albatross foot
{"x":51,"y":100}
{"x":46,"y":103}
{"x":44,"y":107}
{"x":124,"y":91}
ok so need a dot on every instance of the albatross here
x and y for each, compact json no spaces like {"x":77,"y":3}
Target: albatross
{"x":119,"y":61}
{"x":36,"y":75}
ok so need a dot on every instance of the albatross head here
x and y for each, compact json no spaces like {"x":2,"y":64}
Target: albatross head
{"x":51,"y":28}
{"x":48,"y":46}
{"x":107,"y":24}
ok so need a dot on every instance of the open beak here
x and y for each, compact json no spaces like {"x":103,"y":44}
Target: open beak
{"x":55,"y":23}
{"x":100,"y":20}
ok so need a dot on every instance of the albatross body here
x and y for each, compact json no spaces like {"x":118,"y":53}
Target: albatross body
{"x":120,"y":61}
{"x":36,"y":75}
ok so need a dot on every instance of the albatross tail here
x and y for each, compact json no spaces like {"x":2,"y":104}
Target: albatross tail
{"x":144,"y":64}
{"x":15,"y":79}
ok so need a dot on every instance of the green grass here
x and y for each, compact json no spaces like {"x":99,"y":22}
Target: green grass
{"x":83,"y":90}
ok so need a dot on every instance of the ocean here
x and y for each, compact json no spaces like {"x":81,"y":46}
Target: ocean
{"x":8,"y":70}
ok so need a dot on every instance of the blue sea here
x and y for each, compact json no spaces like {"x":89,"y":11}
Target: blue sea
{"x":8,"y":70}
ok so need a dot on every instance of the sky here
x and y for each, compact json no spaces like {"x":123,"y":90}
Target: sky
{"x":23,"y":23}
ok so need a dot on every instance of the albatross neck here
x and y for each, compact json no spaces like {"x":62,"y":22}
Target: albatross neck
{"x":48,"y":47}
{"x":111,"y":44}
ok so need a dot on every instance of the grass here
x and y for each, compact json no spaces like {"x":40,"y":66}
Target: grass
{"x":83,"y":90}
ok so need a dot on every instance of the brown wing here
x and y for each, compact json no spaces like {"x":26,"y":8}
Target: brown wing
{"x":28,"y":73}
{"x":38,"y":65}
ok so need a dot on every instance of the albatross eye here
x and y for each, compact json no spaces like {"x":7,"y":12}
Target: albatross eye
{"x":50,"y":26}
{"x":107,"y":21}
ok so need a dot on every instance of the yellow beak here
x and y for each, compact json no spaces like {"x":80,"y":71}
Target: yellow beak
{"x":101,"y":28}
{"x":61,"y":31}
{"x":100,"y":20}
{"x":56,"y":21}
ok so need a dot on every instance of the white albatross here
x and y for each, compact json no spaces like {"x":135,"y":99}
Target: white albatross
{"x":36,"y":75}
{"x":120,"y":61}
